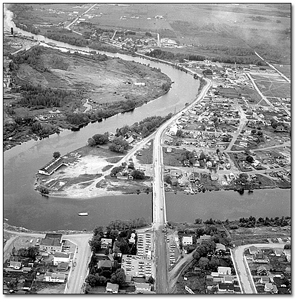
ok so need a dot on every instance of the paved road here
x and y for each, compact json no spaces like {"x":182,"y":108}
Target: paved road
{"x":68,"y":26}
{"x":243,"y":122}
{"x":82,"y":257}
{"x":159,"y":205}
{"x":272,"y":66}
{"x":260,"y":93}
{"x":242,"y":270}
{"x":78,"y":275}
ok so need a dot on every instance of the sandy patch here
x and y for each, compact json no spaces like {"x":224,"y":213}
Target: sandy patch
{"x":90,"y":165}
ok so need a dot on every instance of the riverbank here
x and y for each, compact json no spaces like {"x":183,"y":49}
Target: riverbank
{"x":99,"y":86}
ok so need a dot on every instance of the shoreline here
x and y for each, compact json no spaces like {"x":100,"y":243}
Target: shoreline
{"x":109,"y":193}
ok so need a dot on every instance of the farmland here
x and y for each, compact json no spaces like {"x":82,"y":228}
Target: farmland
{"x":209,"y":27}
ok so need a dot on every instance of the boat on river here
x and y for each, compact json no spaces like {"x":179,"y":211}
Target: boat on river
{"x":83,"y":214}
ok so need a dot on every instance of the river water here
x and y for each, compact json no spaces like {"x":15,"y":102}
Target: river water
{"x":25,"y":207}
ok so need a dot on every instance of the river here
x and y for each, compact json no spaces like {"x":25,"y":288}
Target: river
{"x":25,"y":207}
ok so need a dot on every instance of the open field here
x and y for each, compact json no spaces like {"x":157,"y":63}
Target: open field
{"x":103,"y":80}
{"x":285,"y":69}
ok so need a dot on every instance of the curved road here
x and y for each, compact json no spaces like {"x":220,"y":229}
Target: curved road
{"x":242,"y":269}
{"x":82,"y":257}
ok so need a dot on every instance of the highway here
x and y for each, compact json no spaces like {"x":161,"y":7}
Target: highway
{"x":159,"y":203}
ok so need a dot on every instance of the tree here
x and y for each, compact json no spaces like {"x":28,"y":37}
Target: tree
{"x":91,"y":280}
{"x":198,"y":221}
{"x":56,"y":155}
{"x":33,"y":251}
{"x":116,"y":170}
{"x":203,"y":263}
{"x":101,"y":139}
{"x":99,"y":231}
{"x":250,"y":159}
{"x":179,"y":133}
{"x":196,"y":255}
{"x":131,"y":165}
{"x":138,"y":174}
{"x":95,"y":243}
{"x":118,"y":277}
{"x":91,"y":142}
{"x":253,"y":131}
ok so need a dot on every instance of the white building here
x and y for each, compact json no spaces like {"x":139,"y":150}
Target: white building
{"x":187,"y":240}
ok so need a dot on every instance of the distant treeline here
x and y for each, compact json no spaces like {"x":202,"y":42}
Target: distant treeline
{"x":238,"y":55}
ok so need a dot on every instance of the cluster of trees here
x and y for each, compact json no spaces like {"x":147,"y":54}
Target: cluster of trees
{"x":78,"y":118}
{"x":31,"y":57}
{"x":119,"y":145}
{"x":118,"y":230}
{"x":36,"y":96}
{"x":64,"y":35}
{"x":30,"y":252}
{"x":144,"y":127}
{"x":98,"y":139}
{"x":253,"y":222}
{"x":229,"y":55}
{"x":95,"y":280}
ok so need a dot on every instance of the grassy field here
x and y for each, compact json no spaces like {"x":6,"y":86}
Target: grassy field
{"x":105,"y":82}
{"x":272,"y":85}
{"x":146,"y":156}
{"x":285,"y":69}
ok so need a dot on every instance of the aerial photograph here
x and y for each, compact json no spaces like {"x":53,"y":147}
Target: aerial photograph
{"x":147,"y":148}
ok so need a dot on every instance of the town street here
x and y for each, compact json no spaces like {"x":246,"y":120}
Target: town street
{"x":79,"y":269}
{"x":159,"y":205}
{"x":82,"y":256}
{"x":242,"y":270}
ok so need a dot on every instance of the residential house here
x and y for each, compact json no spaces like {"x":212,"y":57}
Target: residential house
{"x":278,"y":252}
{"x":15,"y":264}
{"x":203,"y":238}
{"x":287,"y":253}
{"x":54,"y":277}
{"x":220,"y":248}
{"x":112,"y":288}
{"x":225,"y":288}
{"x":63,"y":266}
{"x":262,"y":271}
{"x":174,"y":181}
{"x":187,"y":240}
{"x":264,"y":280}
{"x":106,"y":243}
{"x":224,"y":270}
{"x":142,"y":287}
{"x":260,"y":258}
{"x":253,"y":250}
{"x":227,"y":279}
{"x":272,"y":288}
{"x":105,"y":265}
{"x":60,"y":257}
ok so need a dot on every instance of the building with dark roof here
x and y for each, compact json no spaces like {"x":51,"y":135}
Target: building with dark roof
{"x":51,"y":243}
